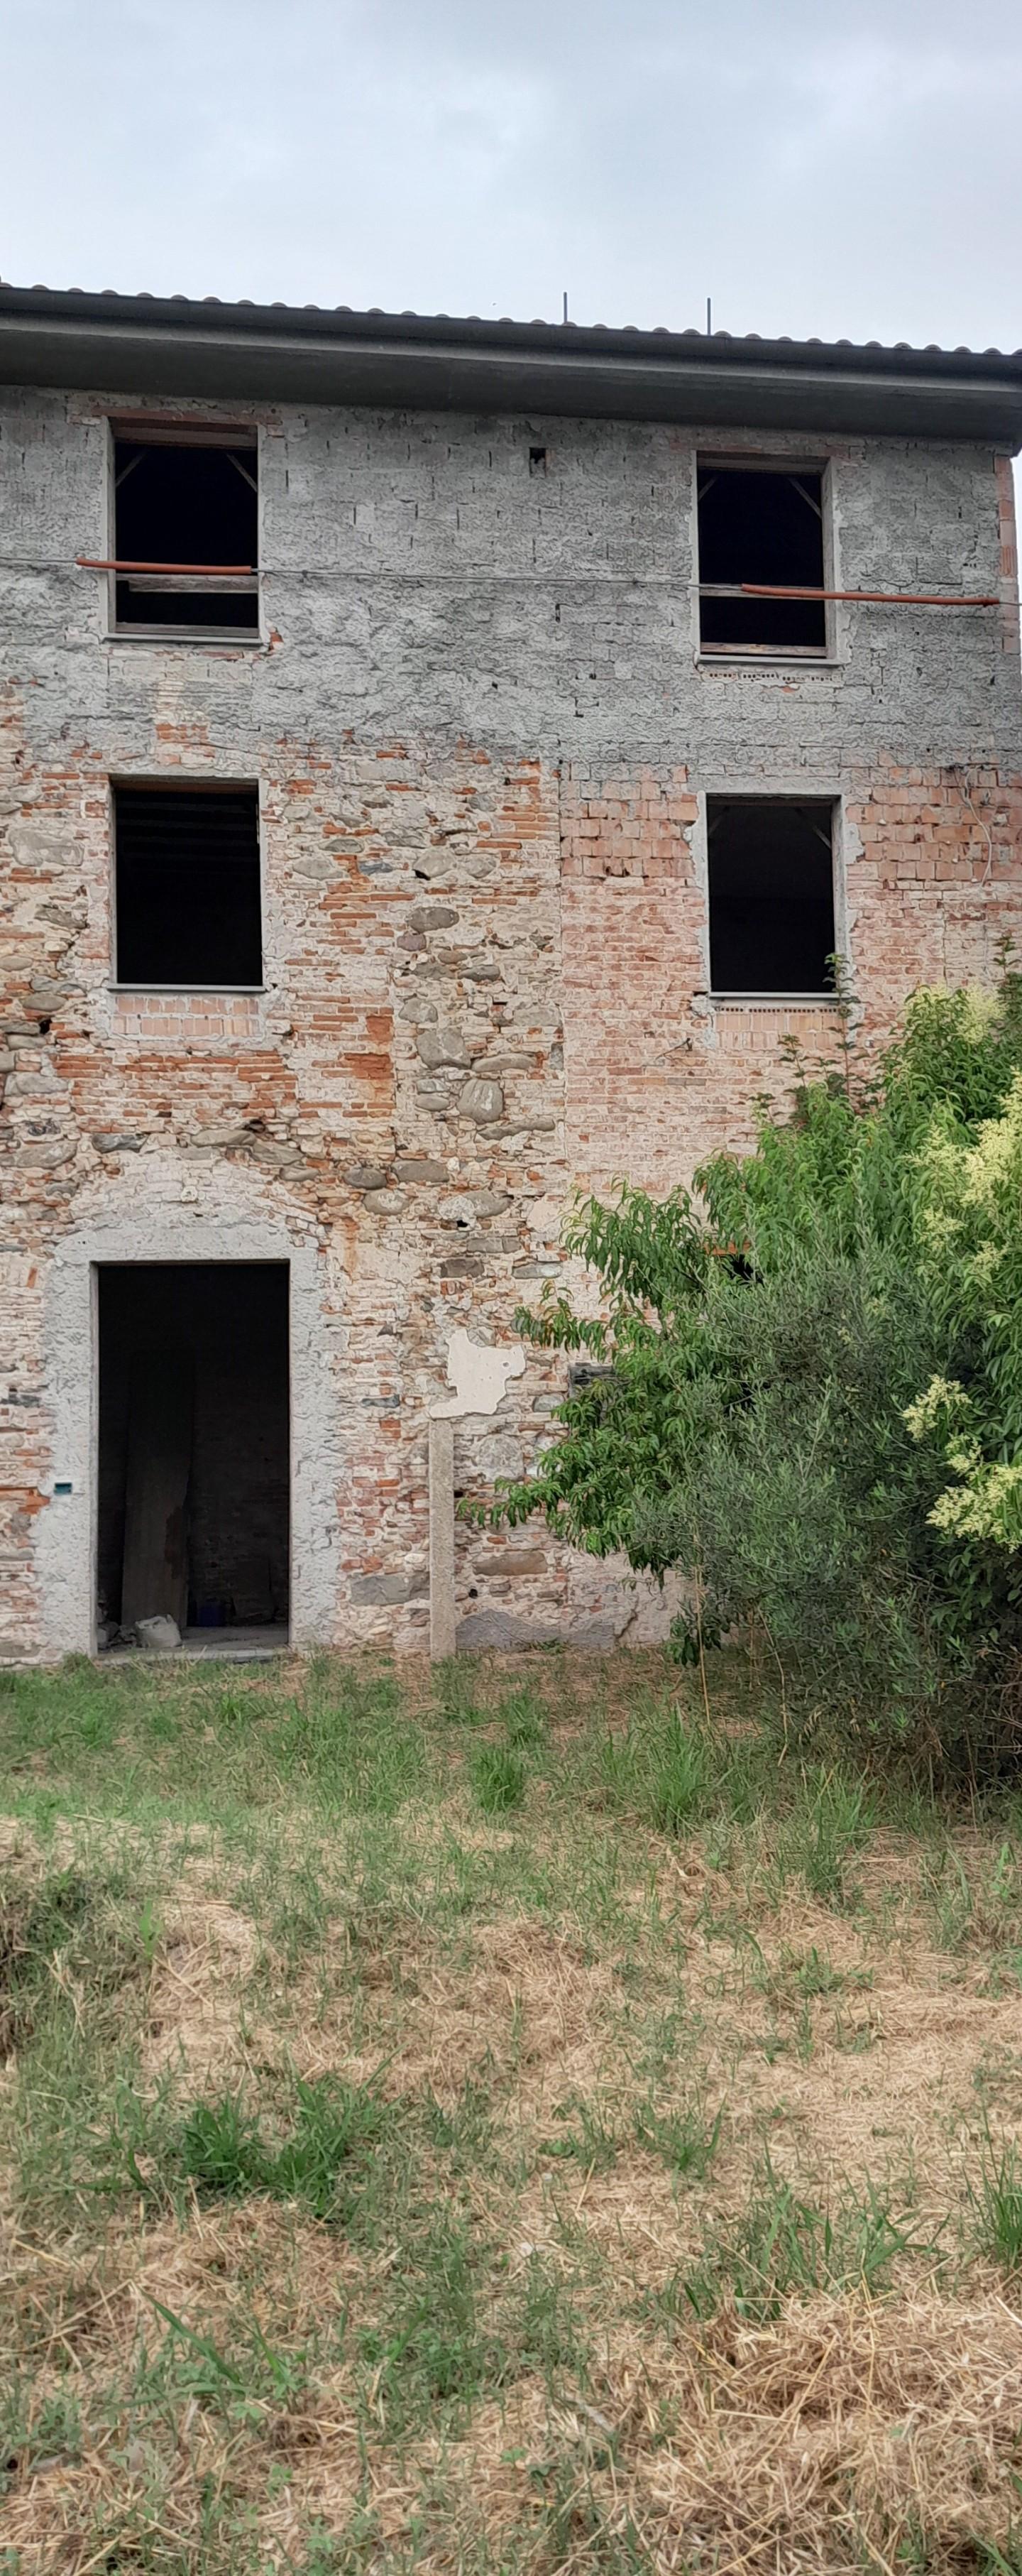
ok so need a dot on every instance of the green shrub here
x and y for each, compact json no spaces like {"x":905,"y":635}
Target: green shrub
{"x":811,"y":1402}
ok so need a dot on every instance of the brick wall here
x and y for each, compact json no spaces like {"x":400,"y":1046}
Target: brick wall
{"x":659,"y":1074}
{"x":483,"y":740}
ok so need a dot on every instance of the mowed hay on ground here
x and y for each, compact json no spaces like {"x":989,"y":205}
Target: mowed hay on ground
{"x":495,"y":2121}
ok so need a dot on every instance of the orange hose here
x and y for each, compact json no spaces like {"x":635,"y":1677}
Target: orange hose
{"x":882,"y":598}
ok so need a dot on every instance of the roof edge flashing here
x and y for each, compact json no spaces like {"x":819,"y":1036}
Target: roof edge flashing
{"x":117,"y":345}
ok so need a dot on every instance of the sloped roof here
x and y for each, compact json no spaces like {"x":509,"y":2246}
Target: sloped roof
{"x":304,"y":353}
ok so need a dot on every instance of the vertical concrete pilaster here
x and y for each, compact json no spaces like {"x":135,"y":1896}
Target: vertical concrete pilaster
{"x":441,"y":1540}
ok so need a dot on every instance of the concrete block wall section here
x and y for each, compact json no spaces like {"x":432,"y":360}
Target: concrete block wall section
{"x":483,"y":739}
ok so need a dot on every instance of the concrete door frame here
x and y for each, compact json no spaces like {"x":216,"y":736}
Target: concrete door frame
{"x":68,"y":1527}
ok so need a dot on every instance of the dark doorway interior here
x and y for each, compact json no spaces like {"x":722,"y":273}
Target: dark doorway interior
{"x":194,"y":1441}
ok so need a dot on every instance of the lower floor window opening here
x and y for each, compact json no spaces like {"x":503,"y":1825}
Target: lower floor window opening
{"x":194,"y":1451}
{"x":188,"y":903}
{"x":771,"y":894}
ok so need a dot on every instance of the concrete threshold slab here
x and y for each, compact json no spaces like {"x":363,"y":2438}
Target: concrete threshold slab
{"x":212,"y":1646}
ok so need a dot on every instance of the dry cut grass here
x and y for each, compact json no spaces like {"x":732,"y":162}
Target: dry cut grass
{"x":497,"y":2124}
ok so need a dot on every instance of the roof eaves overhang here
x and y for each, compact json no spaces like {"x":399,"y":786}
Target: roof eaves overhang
{"x":514,"y":370}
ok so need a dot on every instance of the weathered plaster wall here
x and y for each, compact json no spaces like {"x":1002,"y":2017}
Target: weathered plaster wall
{"x":483,"y":740}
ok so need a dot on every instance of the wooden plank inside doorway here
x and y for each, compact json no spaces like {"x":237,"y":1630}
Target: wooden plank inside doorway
{"x":155,"y":1576}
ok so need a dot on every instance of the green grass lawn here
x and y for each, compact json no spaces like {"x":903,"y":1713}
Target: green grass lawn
{"x":497,"y":2120}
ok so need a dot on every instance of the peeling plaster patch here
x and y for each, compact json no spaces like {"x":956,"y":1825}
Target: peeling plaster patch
{"x":480,"y":1377}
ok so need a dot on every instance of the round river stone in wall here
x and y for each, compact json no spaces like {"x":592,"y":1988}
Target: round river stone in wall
{"x":431,"y":916}
{"x":442,"y":1046}
{"x":482,"y":1101}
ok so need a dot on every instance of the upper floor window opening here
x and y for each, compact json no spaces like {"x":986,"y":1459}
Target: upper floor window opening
{"x":761,"y":525}
{"x":185,"y":528}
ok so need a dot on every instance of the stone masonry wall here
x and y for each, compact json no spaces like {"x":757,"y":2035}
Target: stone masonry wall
{"x":483,"y":738}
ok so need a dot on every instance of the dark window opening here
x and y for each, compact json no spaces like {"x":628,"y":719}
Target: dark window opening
{"x":759,"y":526}
{"x":537,"y":460}
{"x":771,"y":875}
{"x":194,"y":1446}
{"x":187,"y":886}
{"x":583,"y":1374}
{"x":185,"y":504}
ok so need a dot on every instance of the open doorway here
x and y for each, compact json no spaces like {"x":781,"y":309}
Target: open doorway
{"x":194,"y":1446}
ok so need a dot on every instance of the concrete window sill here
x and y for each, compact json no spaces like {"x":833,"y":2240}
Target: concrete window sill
{"x":774,"y":1001}
{"x":205,"y":638}
{"x":191,"y":992}
{"x":768,"y":662}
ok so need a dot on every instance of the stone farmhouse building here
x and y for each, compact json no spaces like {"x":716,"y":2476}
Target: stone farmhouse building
{"x":439,"y":763}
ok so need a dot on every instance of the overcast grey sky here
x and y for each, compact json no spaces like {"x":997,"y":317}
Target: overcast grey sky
{"x":832,"y":166}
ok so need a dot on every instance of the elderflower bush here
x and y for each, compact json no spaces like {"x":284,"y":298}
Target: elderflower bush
{"x":810,"y":1390}
{"x":969,"y":1217}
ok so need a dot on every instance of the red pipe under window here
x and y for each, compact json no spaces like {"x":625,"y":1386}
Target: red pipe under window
{"x":882,"y":598}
